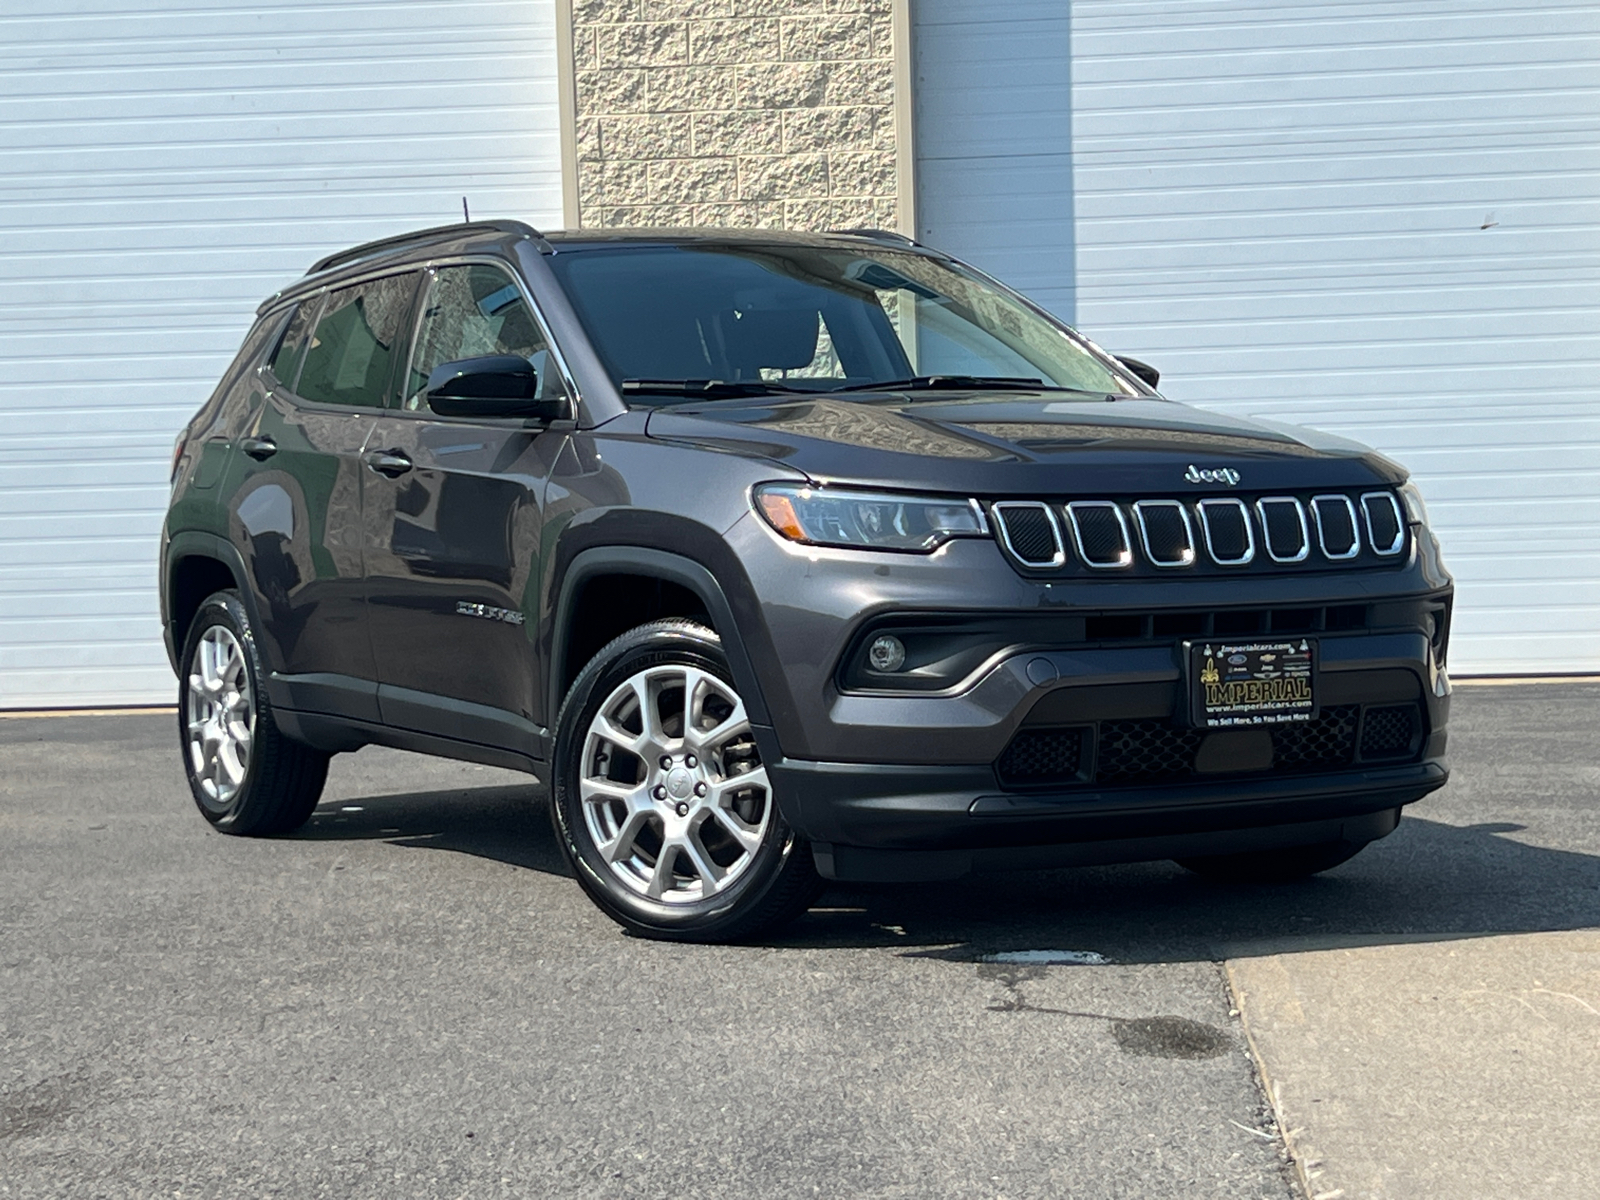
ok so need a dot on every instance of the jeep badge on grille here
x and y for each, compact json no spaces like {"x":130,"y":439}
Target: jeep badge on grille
{"x":1225,"y":475}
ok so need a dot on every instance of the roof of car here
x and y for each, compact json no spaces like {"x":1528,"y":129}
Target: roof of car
{"x":406,"y":246}
{"x":564,"y":239}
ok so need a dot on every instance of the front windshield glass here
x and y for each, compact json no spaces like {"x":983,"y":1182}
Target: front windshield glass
{"x":809,"y":318}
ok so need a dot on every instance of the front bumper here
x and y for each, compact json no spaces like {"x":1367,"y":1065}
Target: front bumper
{"x":941,"y":818}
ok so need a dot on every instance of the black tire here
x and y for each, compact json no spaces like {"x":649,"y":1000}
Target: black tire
{"x":1283,"y":865}
{"x":766,"y":887}
{"x":281,"y":779}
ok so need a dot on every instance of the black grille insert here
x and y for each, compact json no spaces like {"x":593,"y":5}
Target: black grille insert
{"x":1386,"y":534}
{"x":1336,"y":526}
{"x":1165,"y":626}
{"x":1100,"y":532}
{"x":1243,"y":621}
{"x":1284,"y":522}
{"x":1391,"y":732}
{"x":1153,"y":751}
{"x":1327,"y":742}
{"x":1157,"y":750}
{"x":1164,"y":529}
{"x":1145,"y":751}
{"x":1230,"y":540}
{"x":1040,"y":756}
{"x":1030,"y":532}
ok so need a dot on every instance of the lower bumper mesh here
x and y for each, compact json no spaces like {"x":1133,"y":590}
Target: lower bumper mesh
{"x":1159,"y":751}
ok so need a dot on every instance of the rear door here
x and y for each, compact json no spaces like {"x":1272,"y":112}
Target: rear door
{"x":452,"y":526}
{"x":296,"y":479}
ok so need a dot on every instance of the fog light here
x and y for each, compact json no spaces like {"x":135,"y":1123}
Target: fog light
{"x":886,"y":653}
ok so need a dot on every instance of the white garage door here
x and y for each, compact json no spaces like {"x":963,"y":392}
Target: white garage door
{"x":991,"y":85}
{"x":163,"y":168}
{"x":1375,"y":217}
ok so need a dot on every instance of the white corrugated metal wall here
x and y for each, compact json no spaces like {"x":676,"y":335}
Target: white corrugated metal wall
{"x":992,"y":92}
{"x":163,"y":170}
{"x":1380,"y":217}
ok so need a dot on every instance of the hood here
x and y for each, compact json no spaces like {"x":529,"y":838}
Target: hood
{"x":1006,"y":445}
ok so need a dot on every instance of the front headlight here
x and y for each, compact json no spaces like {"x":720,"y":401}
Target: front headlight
{"x":1411,"y":499}
{"x":867,"y":520}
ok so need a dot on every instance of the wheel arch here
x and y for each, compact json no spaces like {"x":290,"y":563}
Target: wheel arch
{"x":198,"y":564}
{"x":661,"y":566}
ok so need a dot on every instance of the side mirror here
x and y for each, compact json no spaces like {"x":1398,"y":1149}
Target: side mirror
{"x":495,"y":385}
{"x":1144,"y":372}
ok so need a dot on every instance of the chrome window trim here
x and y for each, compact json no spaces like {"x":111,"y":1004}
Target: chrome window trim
{"x":1249,"y":530}
{"x":1355,"y":526}
{"x":1058,"y":559}
{"x":1399,"y":543}
{"x":1139,"y":508}
{"x":1266,"y":530}
{"x":1077,"y":534}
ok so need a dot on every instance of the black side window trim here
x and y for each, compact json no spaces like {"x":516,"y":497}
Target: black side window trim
{"x":288,"y":386}
{"x":514,"y":274}
{"x":290,"y":391}
{"x":257,"y":358}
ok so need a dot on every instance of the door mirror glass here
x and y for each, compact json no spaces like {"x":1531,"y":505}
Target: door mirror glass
{"x":491,"y":385}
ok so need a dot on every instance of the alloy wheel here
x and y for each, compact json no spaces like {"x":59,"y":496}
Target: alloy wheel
{"x":221,"y":716}
{"x":674,"y":795}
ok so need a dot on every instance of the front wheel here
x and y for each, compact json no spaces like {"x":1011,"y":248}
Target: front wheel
{"x":1273,"y":866}
{"x":660,"y":798}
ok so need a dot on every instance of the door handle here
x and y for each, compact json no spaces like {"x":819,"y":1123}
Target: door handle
{"x":258,"y":448}
{"x":387,"y":462}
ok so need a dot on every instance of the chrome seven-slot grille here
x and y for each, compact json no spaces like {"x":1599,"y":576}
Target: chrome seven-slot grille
{"x":1224,"y":531}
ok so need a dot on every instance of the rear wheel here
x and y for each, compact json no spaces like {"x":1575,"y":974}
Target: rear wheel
{"x":245,"y":776}
{"x":1283,"y":865}
{"x":661,"y":801}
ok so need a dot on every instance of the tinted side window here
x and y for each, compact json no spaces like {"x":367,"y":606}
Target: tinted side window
{"x":472,"y":311}
{"x":351,"y":352}
{"x":285,"y":364}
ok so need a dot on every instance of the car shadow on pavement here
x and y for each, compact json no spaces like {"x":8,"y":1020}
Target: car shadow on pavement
{"x":1428,"y":881}
{"x":507,"y":824}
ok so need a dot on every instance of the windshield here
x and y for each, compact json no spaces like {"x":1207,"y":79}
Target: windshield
{"x":812,"y":319}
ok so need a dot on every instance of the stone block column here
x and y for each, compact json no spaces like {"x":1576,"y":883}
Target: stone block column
{"x":773,"y":113}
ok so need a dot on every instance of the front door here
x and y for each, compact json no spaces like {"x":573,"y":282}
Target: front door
{"x":295,"y":484}
{"x":452,"y":526}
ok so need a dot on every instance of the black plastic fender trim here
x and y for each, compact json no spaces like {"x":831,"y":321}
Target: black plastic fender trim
{"x":673,"y":568}
{"x":195,"y":543}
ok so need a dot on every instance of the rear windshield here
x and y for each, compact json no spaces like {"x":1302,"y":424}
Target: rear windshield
{"x":811,"y":318}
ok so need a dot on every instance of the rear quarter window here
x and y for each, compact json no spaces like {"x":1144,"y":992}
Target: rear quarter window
{"x":291,"y":351}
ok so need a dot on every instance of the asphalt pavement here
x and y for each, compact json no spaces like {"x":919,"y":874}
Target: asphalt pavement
{"x":411,"y":998}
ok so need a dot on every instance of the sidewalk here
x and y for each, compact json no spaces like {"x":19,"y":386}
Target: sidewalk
{"x":1458,"y":1064}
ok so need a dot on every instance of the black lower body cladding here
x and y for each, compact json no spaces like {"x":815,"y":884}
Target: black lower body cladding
{"x":897,"y":824}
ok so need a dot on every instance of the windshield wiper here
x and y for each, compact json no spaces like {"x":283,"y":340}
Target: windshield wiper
{"x":929,"y":383}
{"x":711,"y":389}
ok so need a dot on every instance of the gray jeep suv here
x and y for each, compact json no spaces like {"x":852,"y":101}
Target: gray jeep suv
{"x":786,"y":559}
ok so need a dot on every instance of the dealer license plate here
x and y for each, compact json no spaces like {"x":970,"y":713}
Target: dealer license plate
{"x":1252,"y":683}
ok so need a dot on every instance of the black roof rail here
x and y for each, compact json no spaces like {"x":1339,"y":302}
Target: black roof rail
{"x":438,"y":233}
{"x":879,"y":235}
